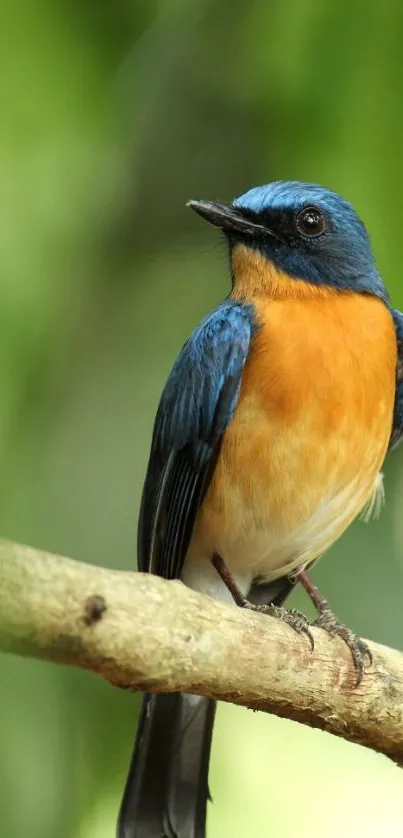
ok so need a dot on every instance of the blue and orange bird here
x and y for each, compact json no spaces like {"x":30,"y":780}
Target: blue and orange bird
{"x":268,"y":441}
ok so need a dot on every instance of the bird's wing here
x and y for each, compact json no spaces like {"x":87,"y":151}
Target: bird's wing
{"x":397,"y":429}
{"x":196,"y":406}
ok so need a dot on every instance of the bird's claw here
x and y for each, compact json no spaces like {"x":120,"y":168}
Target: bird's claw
{"x":358,"y":648}
{"x":291,"y":617}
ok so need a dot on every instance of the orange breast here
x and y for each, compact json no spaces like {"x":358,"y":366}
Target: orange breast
{"x":302,"y":454}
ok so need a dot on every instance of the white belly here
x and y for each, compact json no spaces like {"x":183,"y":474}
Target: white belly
{"x":266,"y":553}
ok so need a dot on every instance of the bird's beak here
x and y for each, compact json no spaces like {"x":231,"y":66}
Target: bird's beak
{"x":229,"y":219}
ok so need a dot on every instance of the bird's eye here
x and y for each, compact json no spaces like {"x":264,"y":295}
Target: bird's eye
{"x":310,"y":222}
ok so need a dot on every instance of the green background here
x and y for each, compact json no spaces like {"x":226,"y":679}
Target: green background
{"x":112,"y":116}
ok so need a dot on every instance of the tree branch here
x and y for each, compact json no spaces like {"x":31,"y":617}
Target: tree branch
{"x":141,"y":632}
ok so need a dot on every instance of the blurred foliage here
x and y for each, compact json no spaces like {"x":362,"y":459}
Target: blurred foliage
{"x":112,"y":116}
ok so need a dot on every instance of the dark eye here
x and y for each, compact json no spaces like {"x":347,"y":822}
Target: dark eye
{"x":310,"y":222}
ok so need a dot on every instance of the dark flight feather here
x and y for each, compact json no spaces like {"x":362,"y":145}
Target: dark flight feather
{"x":196,"y":406}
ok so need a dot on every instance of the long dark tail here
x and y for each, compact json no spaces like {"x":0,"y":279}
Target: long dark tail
{"x":167,"y":788}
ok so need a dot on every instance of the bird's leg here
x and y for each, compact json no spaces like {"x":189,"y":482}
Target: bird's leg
{"x":229,"y":581}
{"x":328,"y":621}
{"x":292,"y":617}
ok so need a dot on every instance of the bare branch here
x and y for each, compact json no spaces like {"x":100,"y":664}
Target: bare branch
{"x":140,"y":632}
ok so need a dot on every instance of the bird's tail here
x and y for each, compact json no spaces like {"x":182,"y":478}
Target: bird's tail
{"x":167,"y":788}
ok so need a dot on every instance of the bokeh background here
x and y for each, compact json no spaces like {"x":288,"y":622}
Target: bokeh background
{"x":112,"y":116}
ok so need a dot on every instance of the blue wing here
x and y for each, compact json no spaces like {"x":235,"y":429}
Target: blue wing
{"x":397,"y":430}
{"x":196,"y":406}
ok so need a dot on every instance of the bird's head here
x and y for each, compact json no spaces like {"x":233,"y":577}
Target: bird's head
{"x":296,"y":230}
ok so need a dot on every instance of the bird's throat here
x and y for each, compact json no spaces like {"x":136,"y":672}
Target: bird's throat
{"x":254,"y":275}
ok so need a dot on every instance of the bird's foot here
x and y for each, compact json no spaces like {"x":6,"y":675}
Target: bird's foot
{"x":358,"y":648}
{"x":328,"y":621}
{"x":291,"y":617}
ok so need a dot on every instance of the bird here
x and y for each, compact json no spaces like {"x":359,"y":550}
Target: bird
{"x":268,"y":441}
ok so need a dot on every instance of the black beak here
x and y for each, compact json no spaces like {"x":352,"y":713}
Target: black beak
{"x":227,"y":218}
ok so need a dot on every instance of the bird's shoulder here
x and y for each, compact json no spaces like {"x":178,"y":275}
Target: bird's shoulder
{"x":206,"y":372}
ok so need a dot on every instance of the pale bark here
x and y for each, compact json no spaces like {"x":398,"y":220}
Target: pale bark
{"x":140,"y":632}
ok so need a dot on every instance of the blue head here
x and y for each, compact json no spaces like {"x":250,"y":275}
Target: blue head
{"x":306,"y":231}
